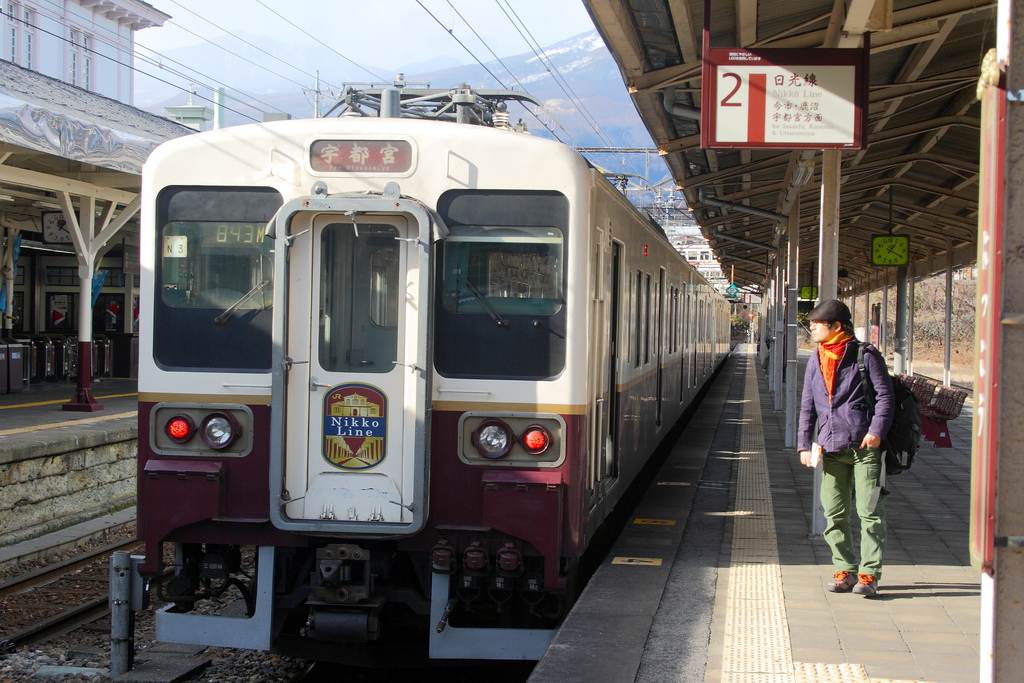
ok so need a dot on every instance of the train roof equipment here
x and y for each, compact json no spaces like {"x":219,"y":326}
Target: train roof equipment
{"x":461,"y":104}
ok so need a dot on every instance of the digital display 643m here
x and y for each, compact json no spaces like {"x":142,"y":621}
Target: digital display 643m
{"x":234,"y":234}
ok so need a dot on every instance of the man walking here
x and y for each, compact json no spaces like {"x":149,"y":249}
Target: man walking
{"x":849,"y":434}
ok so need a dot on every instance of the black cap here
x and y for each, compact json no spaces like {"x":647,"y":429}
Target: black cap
{"x":830,"y":312}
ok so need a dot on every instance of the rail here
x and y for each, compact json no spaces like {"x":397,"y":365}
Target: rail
{"x":90,"y":608}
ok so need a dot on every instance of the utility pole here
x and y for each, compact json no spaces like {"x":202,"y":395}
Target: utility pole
{"x":316,"y":97}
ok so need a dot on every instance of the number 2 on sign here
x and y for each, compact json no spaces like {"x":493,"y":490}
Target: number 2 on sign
{"x":739,"y":81}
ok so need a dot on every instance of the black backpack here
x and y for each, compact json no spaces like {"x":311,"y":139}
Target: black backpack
{"x":904,"y":435}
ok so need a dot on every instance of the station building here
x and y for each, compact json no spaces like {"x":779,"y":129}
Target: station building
{"x":72,"y":148}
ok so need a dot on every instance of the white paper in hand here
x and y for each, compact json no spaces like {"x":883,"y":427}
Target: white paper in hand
{"x":815,"y":454}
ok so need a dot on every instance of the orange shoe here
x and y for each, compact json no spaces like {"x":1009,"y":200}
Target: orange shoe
{"x":867,"y":586}
{"x":842,"y":582}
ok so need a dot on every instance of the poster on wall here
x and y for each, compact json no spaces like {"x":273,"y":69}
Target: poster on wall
{"x":58,"y":311}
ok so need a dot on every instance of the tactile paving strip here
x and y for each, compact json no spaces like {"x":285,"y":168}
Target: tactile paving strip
{"x":756,"y":646}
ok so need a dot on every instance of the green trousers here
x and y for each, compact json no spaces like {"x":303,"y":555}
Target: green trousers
{"x":854,"y":473}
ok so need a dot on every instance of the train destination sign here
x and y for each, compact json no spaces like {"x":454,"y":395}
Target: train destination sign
{"x":360,"y":156}
{"x":784,"y":99}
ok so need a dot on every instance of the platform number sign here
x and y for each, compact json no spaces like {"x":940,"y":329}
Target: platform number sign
{"x":784,"y":99}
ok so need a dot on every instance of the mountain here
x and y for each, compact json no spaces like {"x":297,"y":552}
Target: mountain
{"x":584,"y":103}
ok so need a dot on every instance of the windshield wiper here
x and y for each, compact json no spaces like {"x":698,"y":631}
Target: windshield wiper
{"x":486,"y":303}
{"x":223,"y":318}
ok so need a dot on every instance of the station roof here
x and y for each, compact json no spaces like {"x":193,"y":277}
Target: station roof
{"x":924,"y":121}
{"x":55,"y":137}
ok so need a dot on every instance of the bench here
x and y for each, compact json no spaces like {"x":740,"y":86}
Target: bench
{"x":938,"y":404}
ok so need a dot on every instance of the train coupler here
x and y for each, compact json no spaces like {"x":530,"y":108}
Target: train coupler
{"x":343,"y":574}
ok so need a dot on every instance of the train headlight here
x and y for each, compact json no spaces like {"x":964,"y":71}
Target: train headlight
{"x":493,"y":438}
{"x":535,"y":439}
{"x":219,"y":430}
{"x":180,"y":428}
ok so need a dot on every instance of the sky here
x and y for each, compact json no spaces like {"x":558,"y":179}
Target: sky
{"x":373,"y":31}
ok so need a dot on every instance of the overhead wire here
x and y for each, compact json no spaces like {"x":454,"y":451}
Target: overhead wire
{"x":484,"y":43}
{"x":563,"y":84}
{"x":255,"y":47}
{"x":451,"y":32}
{"x":310,"y":35}
{"x":235,"y":54}
{"x":160,"y":65}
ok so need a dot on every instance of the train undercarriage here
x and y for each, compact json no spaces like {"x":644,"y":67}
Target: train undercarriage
{"x":475,"y":594}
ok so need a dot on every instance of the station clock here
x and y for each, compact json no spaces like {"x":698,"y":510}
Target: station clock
{"x":55,"y":228}
{"x":890,"y":250}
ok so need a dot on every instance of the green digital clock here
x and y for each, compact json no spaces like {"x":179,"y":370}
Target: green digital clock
{"x":890,"y":250}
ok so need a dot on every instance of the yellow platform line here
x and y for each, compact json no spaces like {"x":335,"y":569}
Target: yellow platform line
{"x":63,"y":400}
{"x":756,"y":645}
{"x":39,"y":428}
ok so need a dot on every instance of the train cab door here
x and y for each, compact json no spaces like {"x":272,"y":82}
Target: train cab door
{"x":612,"y":288}
{"x":602,"y":462}
{"x":355,"y":344}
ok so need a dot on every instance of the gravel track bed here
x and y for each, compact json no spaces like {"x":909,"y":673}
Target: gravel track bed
{"x":89,"y":646}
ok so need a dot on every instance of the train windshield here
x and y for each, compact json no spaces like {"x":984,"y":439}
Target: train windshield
{"x":214,"y":278}
{"x":216,"y":265}
{"x":503,"y":270}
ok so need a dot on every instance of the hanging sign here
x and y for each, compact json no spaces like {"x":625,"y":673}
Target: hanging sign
{"x":785,"y":98}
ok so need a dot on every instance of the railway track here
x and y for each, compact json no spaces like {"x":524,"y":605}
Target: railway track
{"x":57,"y":598}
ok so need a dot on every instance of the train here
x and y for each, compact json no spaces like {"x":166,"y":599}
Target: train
{"x":407,"y":358}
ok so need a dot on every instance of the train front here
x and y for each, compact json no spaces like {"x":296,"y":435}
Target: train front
{"x":304,"y":285}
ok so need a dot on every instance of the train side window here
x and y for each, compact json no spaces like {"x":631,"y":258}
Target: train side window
{"x":647,"y":322}
{"x":639,"y":317}
{"x":504,"y":270}
{"x":500,"y":286}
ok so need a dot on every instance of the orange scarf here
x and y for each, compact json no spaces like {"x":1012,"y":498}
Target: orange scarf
{"x":830,"y":352}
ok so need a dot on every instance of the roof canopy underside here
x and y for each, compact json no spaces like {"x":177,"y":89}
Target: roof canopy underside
{"x":921,"y":164}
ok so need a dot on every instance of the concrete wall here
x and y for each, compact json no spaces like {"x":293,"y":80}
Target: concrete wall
{"x":47,"y":486}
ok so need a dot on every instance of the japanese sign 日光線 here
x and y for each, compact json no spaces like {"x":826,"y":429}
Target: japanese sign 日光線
{"x":784,"y":98}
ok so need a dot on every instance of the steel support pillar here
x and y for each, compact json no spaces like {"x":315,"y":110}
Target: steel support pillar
{"x":948,"y":328}
{"x":883,"y":324}
{"x":828,"y":244}
{"x":899,"y":362}
{"x":778,"y":346}
{"x":792,"y":292}
{"x":910,"y":322}
{"x":998,"y":452}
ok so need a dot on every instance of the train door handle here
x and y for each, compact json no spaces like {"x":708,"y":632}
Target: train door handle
{"x":313,"y":385}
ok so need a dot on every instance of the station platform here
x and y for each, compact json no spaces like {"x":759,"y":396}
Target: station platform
{"x":716,"y":577}
{"x":34,"y":417}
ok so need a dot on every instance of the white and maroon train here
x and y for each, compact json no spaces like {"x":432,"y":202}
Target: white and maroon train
{"x":412,"y":363}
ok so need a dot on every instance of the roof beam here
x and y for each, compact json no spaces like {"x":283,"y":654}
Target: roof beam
{"x":686,"y":34}
{"x":746,"y":22}
{"x":56,"y":184}
{"x":868,"y":15}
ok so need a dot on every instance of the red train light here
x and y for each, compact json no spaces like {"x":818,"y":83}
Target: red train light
{"x":180,"y":428}
{"x":535,"y":439}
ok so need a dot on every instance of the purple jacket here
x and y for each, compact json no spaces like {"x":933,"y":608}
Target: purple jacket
{"x":845,"y":421}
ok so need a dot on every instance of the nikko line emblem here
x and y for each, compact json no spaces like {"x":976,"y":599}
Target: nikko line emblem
{"x":355,"y":427}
